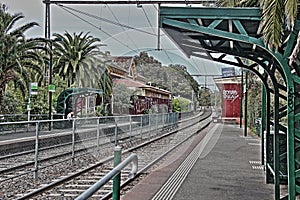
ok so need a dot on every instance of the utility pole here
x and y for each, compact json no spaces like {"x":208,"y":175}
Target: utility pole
{"x":48,"y":43}
{"x":50,"y":85}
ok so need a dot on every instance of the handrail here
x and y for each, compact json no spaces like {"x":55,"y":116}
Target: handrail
{"x":94,"y":188}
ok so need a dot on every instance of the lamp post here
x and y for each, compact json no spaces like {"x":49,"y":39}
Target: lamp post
{"x":51,"y":88}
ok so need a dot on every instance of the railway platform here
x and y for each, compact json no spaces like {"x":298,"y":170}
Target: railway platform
{"x":218,"y":164}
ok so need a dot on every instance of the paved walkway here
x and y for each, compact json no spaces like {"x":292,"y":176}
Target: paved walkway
{"x":224,"y":165}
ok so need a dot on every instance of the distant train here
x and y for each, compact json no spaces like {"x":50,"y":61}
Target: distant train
{"x":146,"y":104}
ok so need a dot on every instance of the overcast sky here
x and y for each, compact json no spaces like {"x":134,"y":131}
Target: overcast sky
{"x":73,"y":18}
{"x":118,"y":40}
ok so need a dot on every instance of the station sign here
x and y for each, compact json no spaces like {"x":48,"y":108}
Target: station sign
{"x":228,"y":72}
{"x":33,"y":88}
{"x":51,"y":88}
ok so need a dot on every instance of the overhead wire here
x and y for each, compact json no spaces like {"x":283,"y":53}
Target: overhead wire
{"x":100,"y":14}
{"x":155,"y":7}
{"x":151,"y":26}
{"x":66,"y":8}
{"x":148,"y":20}
{"x":123,"y":28}
{"x":91,"y":24}
{"x":106,"y":20}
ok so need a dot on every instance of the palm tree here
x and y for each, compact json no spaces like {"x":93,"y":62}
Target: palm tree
{"x":18,"y":55}
{"x":75,"y":58}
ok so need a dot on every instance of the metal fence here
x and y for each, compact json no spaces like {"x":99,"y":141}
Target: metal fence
{"x":80,"y":136}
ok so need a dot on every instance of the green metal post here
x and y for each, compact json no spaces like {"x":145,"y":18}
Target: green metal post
{"x":117,"y":179}
{"x":291,"y":143}
{"x":263,"y":122}
{"x":276,"y":144}
{"x":268,"y":130}
{"x":246,"y":102}
{"x":241,"y":103}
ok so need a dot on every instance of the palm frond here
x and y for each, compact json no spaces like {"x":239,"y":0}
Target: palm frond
{"x":227,"y":3}
{"x":249,"y":3}
{"x":291,"y":7}
{"x":273,"y":18}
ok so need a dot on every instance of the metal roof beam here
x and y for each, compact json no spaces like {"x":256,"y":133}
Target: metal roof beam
{"x":129,"y":2}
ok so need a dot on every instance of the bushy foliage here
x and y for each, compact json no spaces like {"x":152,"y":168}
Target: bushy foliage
{"x":176,"y":105}
{"x":12,"y":103}
{"x":181,"y":105}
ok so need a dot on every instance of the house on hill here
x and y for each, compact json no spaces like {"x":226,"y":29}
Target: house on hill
{"x":142,"y":96}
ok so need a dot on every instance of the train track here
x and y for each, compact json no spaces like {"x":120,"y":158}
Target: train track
{"x":22,"y":163}
{"x":69,"y":181}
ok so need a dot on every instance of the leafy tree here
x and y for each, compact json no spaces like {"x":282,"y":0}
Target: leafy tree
{"x":121,"y":99}
{"x":176,"y":105}
{"x":205,"y":97}
{"x":12,"y":103}
{"x":181,"y":70}
{"x":181,"y":104}
{"x":18,"y":55}
{"x":75,"y":58}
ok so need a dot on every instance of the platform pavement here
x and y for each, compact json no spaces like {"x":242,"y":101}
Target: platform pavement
{"x":227,"y":167}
